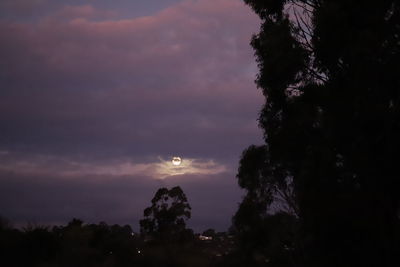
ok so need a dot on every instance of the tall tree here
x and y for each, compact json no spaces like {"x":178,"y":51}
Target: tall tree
{"x":166,"y":218}
{"x":329,"y":71}
{"x":267,"y":218}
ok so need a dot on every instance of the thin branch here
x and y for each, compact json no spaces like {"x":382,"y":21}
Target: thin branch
{"x":304,"y":7}
{"x":304,"y":34}
{"x":316,"y":75}
{"x":307,"y":26}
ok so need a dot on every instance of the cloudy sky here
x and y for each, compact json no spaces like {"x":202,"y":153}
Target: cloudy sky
{"x":97,"y":96}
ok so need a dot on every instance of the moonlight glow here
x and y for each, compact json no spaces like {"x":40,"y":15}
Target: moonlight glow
{"x":176,"y":161}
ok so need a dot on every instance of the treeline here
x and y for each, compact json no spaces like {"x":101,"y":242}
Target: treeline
{"x":100,"y":245}
{"x":76,"y":244}
{"x":164,"y":240}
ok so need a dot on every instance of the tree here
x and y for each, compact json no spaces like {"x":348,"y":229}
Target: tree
{"x":268,"y":192}
{"x":271,"y":188}
{"x":331,"y":122}
{"x":166,"y":218}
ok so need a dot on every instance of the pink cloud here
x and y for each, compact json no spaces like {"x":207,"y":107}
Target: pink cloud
{"x":205,"y":32}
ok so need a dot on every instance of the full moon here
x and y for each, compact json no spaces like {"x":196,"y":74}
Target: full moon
{"x":176,"y":161}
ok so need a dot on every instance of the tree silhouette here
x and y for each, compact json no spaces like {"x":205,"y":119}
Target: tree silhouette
{"x":267,"y":186}
{"x":268,"y":191}
{"x":166,"y":218}
{"x":331,"y":122}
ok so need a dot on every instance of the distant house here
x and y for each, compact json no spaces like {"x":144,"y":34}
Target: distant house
{"x":204,"y":237}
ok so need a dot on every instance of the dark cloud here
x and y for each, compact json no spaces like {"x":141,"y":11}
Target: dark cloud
{"x":33,"y":10}
{"x":181,"y":80}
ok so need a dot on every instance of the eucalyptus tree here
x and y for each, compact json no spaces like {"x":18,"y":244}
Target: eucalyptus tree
{"x":166,"y":218}
{"x":329,"y":72}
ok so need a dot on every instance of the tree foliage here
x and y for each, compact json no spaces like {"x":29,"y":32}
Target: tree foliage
{"x":267,"y":216}
{"x":166,"y":217}
{"x":329,"y":71}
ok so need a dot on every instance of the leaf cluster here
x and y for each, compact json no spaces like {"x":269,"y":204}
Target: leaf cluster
{"x":166,"y":217}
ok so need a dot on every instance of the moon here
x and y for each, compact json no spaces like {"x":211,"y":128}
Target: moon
{"x":176,"y":161}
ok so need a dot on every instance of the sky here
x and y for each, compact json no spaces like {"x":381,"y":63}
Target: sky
{"x":97,"y":96}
